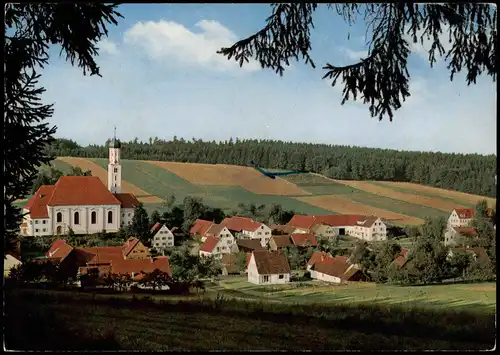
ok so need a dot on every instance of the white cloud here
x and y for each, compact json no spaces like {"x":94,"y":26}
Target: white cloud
{"x":107,"y":46}
{"x":170,"y":41}
{"x":422,"y":49}
{"x":354,"y":55}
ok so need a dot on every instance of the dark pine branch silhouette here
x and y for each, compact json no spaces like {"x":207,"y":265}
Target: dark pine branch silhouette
{"x":381,"y":79}
{"x":29,"y":30}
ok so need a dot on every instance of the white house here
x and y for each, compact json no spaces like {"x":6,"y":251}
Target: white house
{"x":337,"y":270}
{"x":460,"y":217}
{"x":10,"y":261}
{"x":248,"y":228}
{"x":459,"y":235}
{"x":162,"y":237}
{"x":81,"y":203}
{"x":268,"y":267}
{"x":217,"y":246}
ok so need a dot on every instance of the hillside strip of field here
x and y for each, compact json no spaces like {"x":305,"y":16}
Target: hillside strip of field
{"x":456,"y":195}
{"x":231,"y":175}
{"x":342,"y":205}
{"x":102,"y":174}
{"x":440,"y":204}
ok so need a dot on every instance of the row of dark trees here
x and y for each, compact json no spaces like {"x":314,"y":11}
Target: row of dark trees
{"x":470,"y":173}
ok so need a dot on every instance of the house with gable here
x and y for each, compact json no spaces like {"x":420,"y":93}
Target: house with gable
{"x":268,"y":267}
{"x":278,"y":242}
{"x":134,"y":249}
{"x":249,"y":245}
{"x":215,"y":246}
{"x":163,"y":237}
{"x":456,"y":236}
{"x":248,"y":228}
{"x":282,"y":229}
{"x":81,"y":203}
{"x":460,"y":217}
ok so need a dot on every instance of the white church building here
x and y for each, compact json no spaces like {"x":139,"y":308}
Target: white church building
{"x":81,"y":203}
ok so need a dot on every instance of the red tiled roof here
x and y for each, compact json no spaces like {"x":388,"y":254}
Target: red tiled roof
{"x":404,"y":252}
{"x":37,"y":205}
{"x":270,"y":263}
{"x":400,"y":260}
{"x":59,"y":249}
{"x":136,"y":266}
{"x":282,"y":240}
{"x":157,"y":225}
{"x":209,"y":244}
{"x":127,"y":200}
{"x":283,"y":228}
{"x":200,"y":227}
{"x":465,"y":213}
{"x":81,"y":190}
{"x":214,"y":230}
{"x":103,"y":255}
{"x":318,"y":256}
{"x":239,"y":224}
{"x":300,"y":221}
{"x":303,"y":239}
{"x":336,"y":268}
{"x":129,"y":245}
{"x":479,"y":252}
{"x":466,"y":231}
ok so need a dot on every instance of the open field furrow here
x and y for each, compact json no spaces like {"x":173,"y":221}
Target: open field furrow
{"x":342,"y":205}
{"x":455,"y":195}
{"x":102,"y":174}
{"x":231,"y":175}
{"x":437,"y":203}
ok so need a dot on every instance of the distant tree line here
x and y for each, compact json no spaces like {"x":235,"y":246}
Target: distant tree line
{"x":472,"y":173}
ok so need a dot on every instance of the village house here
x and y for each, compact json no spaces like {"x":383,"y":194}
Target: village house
{"x":402,"y":258}
{"x":10,"y":260}
{"x":81,"y":203}
{"x":134,"y":249}
{"x":303,"y":240}
{"x":477,"y":253}
{"x":248,"y":228}
{"x":369,"y":228}
{"x":268,"y":267}
{"x":282,"y":229}
{"x":230,"y":264}
{"x":457,"y":236}
{"x":249,"y":245}
{"x":337,"y":270}
{"x":324,"y":231}
{"x":460,"y":217}
{"x":217,"y":246}
{"x":163,"y":237}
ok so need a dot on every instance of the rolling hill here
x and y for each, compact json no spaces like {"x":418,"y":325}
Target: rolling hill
{"x":225,"y":186}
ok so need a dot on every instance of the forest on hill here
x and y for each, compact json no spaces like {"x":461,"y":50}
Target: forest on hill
{"x":472,"y":173}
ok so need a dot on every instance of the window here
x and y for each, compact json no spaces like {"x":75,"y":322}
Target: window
{"x":229,"y":241}
{"x":163,"y":238}
{"x":36,"y":230}
{"x":115,"y":170}
{"x":259,"y":233}
{"x":265,"y":278}
{"x":123,"y":214}
{"x":59,"y":217}
{"x":281,"y":277}
{"x":261,"y":227}
{"x":44,"y":230}
{"x":110,"y":217}
{"x":169,"y":238}
{"x":76,"y":218}
{"x":93,"y":217}
{"x":36,"y":221}
{"x":115,"y":177}
{"x":267,"y":233}
{"x":129,"y":214}
{"x":44,"y":221}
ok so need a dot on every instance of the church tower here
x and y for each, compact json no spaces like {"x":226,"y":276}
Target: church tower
{"x":114,"y":167}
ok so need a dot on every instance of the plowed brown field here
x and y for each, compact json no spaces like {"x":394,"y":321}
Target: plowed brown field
{"x":231,"y":175}
{"x":467,"y":198}
{"x":102,"y":174}
{"x":433,"y":202}
{"x":342,"y":205}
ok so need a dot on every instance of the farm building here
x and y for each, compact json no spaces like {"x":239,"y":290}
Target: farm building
{"x":249,"y":245}
{"x":324,"y":231}
{"x":337,"y":270}
{"x":303,"y":239}
{"x":281,"y":229}
{"x":248,"y":228}
{"x":279,"y":242}
{"x":268,"y":267}
{"x":368,"y":228}
{"x":162,"y":237}
{"x":200,"y":227}
{"x":459,"y":236}
{"x":81,"y":203}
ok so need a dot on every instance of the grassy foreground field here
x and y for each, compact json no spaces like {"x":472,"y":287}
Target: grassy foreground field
{"x":44,"y":320}
{"x":225,"y":186}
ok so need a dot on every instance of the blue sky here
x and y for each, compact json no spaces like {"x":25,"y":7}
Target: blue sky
{"x":162,"y":77}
